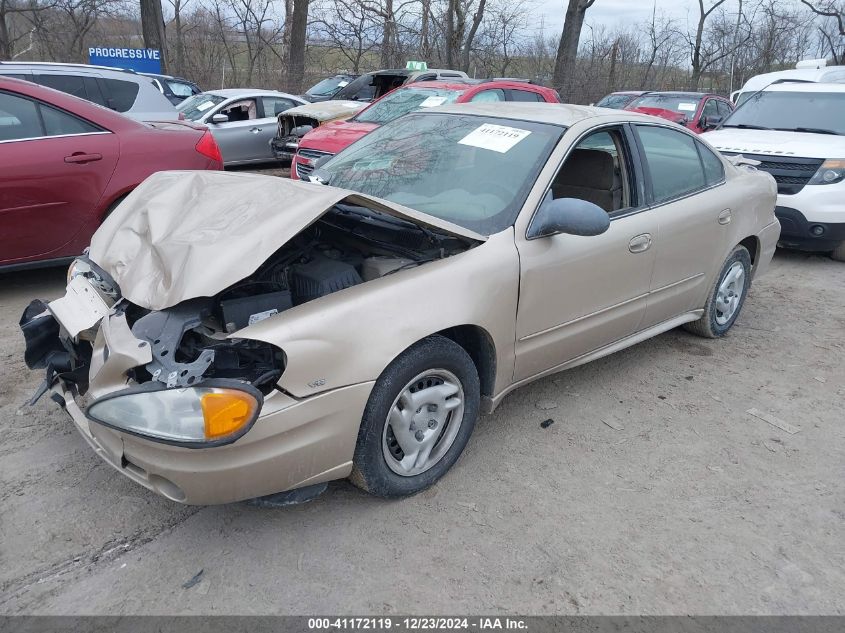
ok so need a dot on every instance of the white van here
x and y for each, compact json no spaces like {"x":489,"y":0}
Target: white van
{"x":797,"y":133}
{"x":811,"y":70}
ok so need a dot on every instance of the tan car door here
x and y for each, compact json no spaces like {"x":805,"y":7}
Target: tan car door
{"x":692,"y":207}
{"x":578,"y":294}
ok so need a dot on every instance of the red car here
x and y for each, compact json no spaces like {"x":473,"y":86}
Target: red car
{"x":330,"y":138}
{"x":697,"y":111}
{"x":68,"y":162}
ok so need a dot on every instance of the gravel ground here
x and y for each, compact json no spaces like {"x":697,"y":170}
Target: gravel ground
{"x":653,"y":492}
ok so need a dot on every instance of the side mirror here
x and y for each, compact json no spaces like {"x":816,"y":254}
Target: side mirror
{"x":219,"y":118}
{"x":710,"y":122}
{"x":568,"y":215}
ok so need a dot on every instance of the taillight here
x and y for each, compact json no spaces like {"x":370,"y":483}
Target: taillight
{"x":207,"y":146}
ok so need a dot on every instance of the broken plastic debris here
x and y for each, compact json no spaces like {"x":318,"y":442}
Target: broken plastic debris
{"x":546,"y":423}
{"x":193,"y":581}
{"x":614,"y":425}
{"x":776,"y":422}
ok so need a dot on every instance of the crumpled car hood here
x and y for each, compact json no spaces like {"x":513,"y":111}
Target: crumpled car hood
{"x":187,"y":234}
{"x":326,"y":110}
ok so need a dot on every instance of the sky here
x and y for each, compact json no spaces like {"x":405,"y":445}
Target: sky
{"x":613,"y":12}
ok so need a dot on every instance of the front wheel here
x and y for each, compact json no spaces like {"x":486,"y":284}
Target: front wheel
{"x":726,"y":299}
{"x":418,"y":419}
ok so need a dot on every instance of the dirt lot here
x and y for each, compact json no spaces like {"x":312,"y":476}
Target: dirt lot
{"x":652,"y":492}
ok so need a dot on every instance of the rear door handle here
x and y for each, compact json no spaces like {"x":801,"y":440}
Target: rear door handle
{"x":640,"y":243}
{"x":725,"y":217}
{"x":82,"y":157}
{"x":255,"y":130}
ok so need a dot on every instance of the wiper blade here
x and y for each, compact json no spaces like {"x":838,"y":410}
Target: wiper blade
{"x":747,"y":126}
{"x":810,"y":130}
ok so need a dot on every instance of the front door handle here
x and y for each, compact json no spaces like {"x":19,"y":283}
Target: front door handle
{"x":82,"y":157}
{"x":640,"y":243}
{"x":725,"y":217}
{"x":255,"y":130}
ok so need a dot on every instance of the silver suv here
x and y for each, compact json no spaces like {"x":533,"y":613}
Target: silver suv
{"x":122,"y":90}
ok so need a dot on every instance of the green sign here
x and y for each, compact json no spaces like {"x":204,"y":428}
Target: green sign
{"x":416,"y":66}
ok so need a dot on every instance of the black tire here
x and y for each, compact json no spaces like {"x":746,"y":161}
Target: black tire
{"x":370,"y":470}
{"x":838,"y":253}
{"x":707,"y":326}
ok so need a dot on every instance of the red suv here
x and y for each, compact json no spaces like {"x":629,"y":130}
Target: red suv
{"x":67,"y":162}
{"x":697,"y":111}
{"x":330,"y":138}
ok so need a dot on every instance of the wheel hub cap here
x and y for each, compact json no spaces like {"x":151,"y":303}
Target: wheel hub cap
{"x":729,"y":293}
{"x":423,"y":422}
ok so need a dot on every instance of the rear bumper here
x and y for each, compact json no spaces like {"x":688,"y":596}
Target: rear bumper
{"x":768,"y":237}
{"x":294,"y":443}
{"x":799,"y":232}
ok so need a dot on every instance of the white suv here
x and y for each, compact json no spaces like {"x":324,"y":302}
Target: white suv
{"x":124,"y":91}
{"x":797,"y":133}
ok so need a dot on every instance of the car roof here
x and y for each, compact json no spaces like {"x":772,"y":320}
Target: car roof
{"x":805,"y":86}
{"x":554,"y":113}
{"x":68,"y":66}
{"x":245,"y":92}
{"x":680,"y":93}
{"x":799,"y":74}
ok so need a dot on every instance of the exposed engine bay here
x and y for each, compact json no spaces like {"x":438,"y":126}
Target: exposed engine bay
{"x":196,"y":339}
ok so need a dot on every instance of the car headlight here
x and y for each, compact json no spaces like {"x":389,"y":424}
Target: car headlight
{"x":831,"y":172}
{"x":212,"y":413}
{"x":77,"y":267}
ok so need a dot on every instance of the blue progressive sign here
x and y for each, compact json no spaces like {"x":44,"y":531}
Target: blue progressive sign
{"x":142,"y":60}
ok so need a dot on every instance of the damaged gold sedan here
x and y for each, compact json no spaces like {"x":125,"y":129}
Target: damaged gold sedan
{"x":229,"y":336}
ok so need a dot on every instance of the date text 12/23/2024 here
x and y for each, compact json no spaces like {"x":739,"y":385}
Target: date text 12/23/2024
{"x":418,"y":623}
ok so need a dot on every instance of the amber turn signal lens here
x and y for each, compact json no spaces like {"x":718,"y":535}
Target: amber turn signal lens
{"x":225,"y":412}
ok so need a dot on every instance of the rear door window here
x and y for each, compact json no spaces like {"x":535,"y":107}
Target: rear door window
{"x":120,"y":95}
{"x":22,"y":118}
{"x":487,"y":96}
{"x":524,"y":95}
{"x":59,"y":123}
{"x":673,"y":162}
{"x":18,"y":118}
{"x":71,"y":84}
{"x":274,"y":106}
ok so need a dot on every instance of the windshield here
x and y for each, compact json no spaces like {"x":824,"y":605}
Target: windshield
{"x":327,"y":87}
{"x":179,"y":88}
{"x":403,"y":101}
{"x":676,"y":103}
{"x":196,"y":107}
{"x":473,"y":171}
{"x":792,"y":111}
{"x":617,"y":102}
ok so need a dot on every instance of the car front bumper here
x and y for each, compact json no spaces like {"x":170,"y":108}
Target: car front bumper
{"x":284,"y":148}
{"x":799,"y":232}
{"x":294,"y":443}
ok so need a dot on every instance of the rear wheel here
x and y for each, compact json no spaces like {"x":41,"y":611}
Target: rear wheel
{"x":419,"y":418}
{"x":839,"y":252}
{"x":726,"y":299}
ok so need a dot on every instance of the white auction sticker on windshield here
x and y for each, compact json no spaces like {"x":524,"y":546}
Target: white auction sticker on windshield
{"x":687,"y":107}
{"x":431,"y":102}
{"x":498,"y":138}
{"x":205,"y":106}
{"x":341,"y":84}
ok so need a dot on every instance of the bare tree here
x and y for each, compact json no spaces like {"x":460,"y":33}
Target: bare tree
{"x":296,"y":46}
{"x":349,"y":28}
{"x":835,"y":10}
{"x":700,"y":59}
{"x":152,"y":26}
{"x":567,"y":50}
